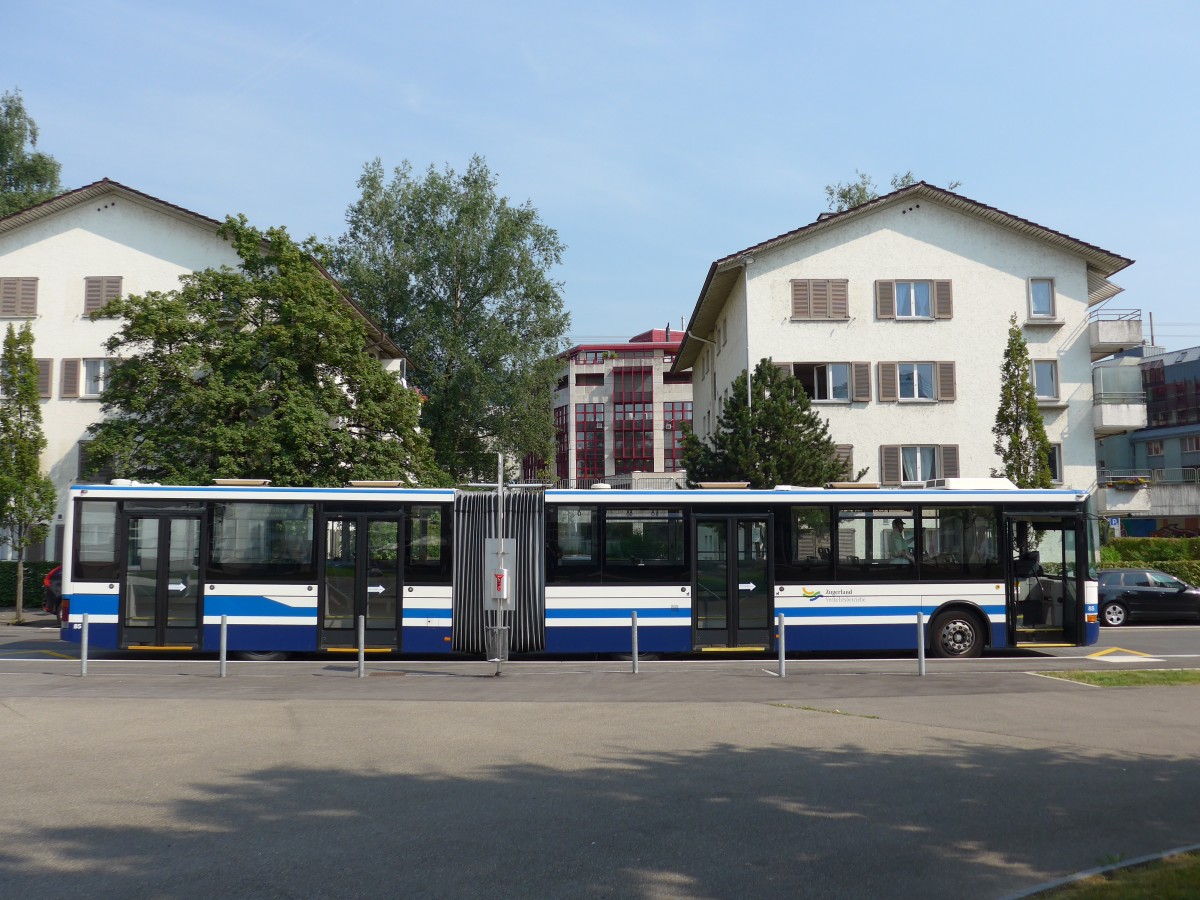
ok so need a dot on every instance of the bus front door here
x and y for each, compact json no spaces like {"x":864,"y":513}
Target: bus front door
{"x":732,"y":591}
{"x":361,"y":579}
{"x":160,"y":586}
{"x":1044,"y":603}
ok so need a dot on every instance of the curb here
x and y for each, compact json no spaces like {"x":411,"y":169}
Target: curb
{"x":1102,"y":870}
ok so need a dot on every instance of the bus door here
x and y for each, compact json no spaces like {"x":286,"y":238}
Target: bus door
{"x":161,"y":584}
{"x":361,"y":577}
{"x":732,"y":593}
{"x":1043,"y":597}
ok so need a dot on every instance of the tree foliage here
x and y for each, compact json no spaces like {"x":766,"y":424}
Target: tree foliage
{"x":27,"y":496}
{"x":26,"y":175}
{"x":1021,"y":441}
{"x":460,"y":278}
{"x":846,"y":196}
{"x":775,"y":439}
{"x":259,"y":372}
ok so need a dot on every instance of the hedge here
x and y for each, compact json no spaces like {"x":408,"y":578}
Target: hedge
{"x":1175,"y":556}
{"x":34,"y":573}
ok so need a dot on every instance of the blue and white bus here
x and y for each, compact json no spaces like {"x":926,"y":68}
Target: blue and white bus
{"x":291,"y":570}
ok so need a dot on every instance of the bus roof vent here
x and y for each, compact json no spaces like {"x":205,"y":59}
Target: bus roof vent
{"x":601,"y":486}
{"x":972,"y":484}
{"x":242,"y":482}
{"x":724,"y":485}
{"x":852,"y":486}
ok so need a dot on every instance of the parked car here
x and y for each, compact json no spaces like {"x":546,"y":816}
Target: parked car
{"x":52,"y":591}
{"x":1128,"y":594}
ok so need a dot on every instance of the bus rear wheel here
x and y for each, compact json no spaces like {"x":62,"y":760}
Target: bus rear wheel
{"x":956,"y":635}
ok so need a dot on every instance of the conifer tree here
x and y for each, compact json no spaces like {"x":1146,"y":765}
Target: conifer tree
{"x":1021,"y":441}
{"x":776,"y":438}
{"x":27,"y":496}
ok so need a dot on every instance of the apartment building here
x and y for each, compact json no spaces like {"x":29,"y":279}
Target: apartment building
{"x":619,"y":411}
{"x":895,"y":316}
{"x":65,"y":258}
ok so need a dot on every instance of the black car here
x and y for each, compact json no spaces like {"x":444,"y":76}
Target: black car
{"x":1127,"y":594}
{"x":52,"y":591}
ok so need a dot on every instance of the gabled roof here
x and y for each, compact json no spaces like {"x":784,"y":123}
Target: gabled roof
{"x":106,"y":186}
{"x":725,"y":272}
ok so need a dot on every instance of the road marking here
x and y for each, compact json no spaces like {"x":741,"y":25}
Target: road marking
{"x":1100,"y":653}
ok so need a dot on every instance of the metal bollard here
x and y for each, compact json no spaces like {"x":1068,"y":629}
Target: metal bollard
{"x":920,"y":643}
{"x":362,"y":646}
{"x":635,"y":647}
{"x":224,"y":642}
{"x":83,"y":647}
{"x":782,"y":648}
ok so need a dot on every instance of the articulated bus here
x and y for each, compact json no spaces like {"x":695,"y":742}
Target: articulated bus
{"x":291,"y":570}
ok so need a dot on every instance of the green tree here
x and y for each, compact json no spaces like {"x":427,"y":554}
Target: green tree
{"x":846,"y":196}
{"x":776,"y":438}
{"x":26,"y":176}
{"x":27,"y":497}
{"x":259,"y":372}
{"x":460,"y":278}
{"x":1021,"y":441}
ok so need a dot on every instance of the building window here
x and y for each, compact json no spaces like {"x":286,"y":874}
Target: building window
{"x":1154,"y":448}
{"x":18,"y":297}
{"x":916,"y":381}
{"x":589,"y":379}
{"x":675,"y":414}
{"x":824,"y":298}
{"x":912,"y":300}
{"x":917,"y":462}
{"x":99,"y":291}
{"x":562,"y":444}
{"x":1190,"y":443}
{"x":824,"y":381}
{"x":589,"y":440}
{"x":1045,"y":379}
{"x":633,"y":385}
{"x":1041,"y":298}
{"x":1056,"y":471}
{"x":95,"y":377}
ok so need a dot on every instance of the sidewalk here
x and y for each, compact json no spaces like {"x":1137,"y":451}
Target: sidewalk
{"x":32,"y":616}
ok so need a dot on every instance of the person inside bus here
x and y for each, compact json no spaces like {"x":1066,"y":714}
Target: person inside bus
{"x":897,"y":543}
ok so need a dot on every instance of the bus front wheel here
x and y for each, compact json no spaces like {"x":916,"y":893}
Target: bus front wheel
{"x":956,"y":635}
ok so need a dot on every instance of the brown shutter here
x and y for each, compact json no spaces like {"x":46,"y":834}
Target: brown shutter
{"x":839,"y":299}
{"x":44,"y":367}
{"x":785,"y":368}
{"x":889,"y":387}
{"x":845,"y":455}
{"x":889,"y":464}
{"x":8,"y":296}
{"x":943,"y":300}
{"x":69,"y":386}
{"x":820,"y":299}
{"x":945,"y":381}
{"x":885,"y":299}
{"x":949,"y":461}
{"x":93,"y":294}
{"x":801,"y":300}
{"x":860,"y":382}
{"x":27,"y":302}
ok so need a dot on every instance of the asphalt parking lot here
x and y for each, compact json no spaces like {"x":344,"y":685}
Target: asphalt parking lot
{"x":693,"y":778}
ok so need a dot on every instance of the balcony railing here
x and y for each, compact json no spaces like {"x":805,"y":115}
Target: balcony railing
{"x":1113,"y":330}
{"x":1135,"y":478}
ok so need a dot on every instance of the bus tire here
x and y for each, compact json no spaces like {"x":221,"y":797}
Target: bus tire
{"x":261,"y":655}
{"x":956,"y":635}
{"x":1114,"y":614}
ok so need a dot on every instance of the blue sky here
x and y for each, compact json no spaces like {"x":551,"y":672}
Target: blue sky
{"x":654,"y":137}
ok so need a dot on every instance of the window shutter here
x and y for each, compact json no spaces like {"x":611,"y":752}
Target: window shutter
{"x":889,"y":464}
{"x":845,"y":455}
{"x":889,"y":387}
{"x":27,"y":301}
{"x":885,"y":299}
{"x":839,"y":299}
{"x":8,"y":296}
{"x":44,"y":367}
{"x":98,"y":291}
{"x":69,"y":386}
{"x":943,"y":300}
{"x":801,"y":300}
{"x":949,"y":461}
{"x":820,"y":299}
{"x":945,"y":381}
{"x":860,"y":382}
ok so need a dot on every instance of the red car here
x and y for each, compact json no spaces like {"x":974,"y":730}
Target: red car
{"x":52,"y":591}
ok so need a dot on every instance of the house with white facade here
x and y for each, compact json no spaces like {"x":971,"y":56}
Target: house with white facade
{"x":895,"y":317}
{"x":65,"y":258}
